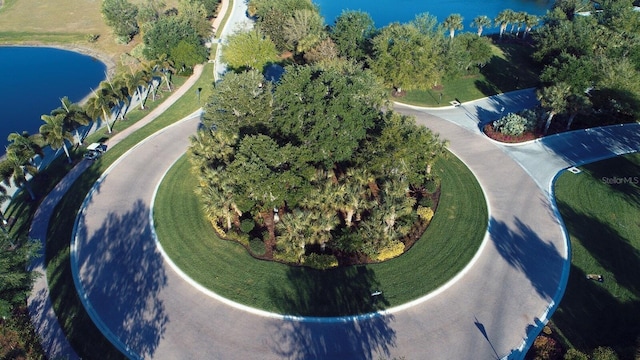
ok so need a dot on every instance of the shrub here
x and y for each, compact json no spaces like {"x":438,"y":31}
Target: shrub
{"x":573,"y":354}
{"x":431,"y":186}
{"x":515,"y":124}
{"x":545,"y":348}
{"x":425,"y":213}
{"x":247,"y":225}
{"x":241,"y":238}
{"x":320,"y":261}
{"x":257,"y":247}
{"x":604,"y":353}
{"x":425,"y":202}
{"x":395,"y":248}
{"x":92,"y":37}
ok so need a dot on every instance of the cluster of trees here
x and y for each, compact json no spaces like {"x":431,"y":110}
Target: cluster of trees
{"x":414,"y":55}
{"x":178,"y":34}
{"x":312,"y":164}
{"x":594,"y":71}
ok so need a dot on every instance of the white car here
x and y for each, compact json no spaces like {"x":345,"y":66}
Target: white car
{"x":94,"y":151}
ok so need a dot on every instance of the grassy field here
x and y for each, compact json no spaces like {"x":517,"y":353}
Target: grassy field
{"x":225,"y":267}
{"x":83,"y":335}
{"x":65,"y":23}
{"x":510,"y":68}
{"x":601,"y":209}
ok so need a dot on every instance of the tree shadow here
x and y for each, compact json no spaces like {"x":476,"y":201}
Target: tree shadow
{"x":606,"y":245}
{"x":536,"y":258}
{"x":122,"y":273}
{"x":590,"y":316}
{"x":584,"y":146}
{"x":362,"y":339}
{"x":326,"y":294}
{"x":621,"y":174}
{"x":335,"y":292}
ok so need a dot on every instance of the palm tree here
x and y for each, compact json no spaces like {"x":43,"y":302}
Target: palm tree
{"x":518,"y":20}
{"x":577,"y":104}
{"x":55,"y":133}
{"x":136,"y":83}
{"x":453,"y":22}
{"x":503,"y":19}
{"x":18,"y":161}
{"x":24,"y":144}
{"x":293,"y":232}
{"x":481,"y":22}
{"x":554,"y":99}
{"x":166,"y":68}
{"x":123,"y":98}
{"x":74,"y":116}
{"x":529,"y":22}
{"x":101,"y":104}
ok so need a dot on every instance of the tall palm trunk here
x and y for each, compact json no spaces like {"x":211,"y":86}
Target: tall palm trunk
{"x":271,"y":228}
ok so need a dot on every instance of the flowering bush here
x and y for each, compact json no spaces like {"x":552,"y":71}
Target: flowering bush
{"x":392,"y":250}
{"x":515,"y":124}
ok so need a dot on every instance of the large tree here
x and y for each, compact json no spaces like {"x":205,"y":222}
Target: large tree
{"x":325,"y":111}
{"x":406,"y":58}
{"x":302,"y":151}
{"x":272,"y":17}
{"x":121,"y":15}
{"x":304,"y":29}
{"x":240,"y":104}
{"x":352,"y":33}
{"x":249,"y":50}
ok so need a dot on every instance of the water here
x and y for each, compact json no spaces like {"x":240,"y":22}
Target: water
{"x":384,"y":12}
{"x":34,"y":79}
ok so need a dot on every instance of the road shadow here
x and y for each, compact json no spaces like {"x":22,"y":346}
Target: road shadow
{"x":369,"y":338}
{"x":122,"y":273}
{"x":536,"y":258}
{"x":585,"y":146}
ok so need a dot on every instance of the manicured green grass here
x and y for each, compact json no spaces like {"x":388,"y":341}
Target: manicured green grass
{"x":601,"y":210}
{"x":226,"y":268}
{"x":511,"y":68}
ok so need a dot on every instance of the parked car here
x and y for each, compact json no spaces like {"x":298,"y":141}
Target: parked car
{"x":95,"y":150}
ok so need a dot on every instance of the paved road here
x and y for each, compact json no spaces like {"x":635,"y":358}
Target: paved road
{"x":485,"y":314}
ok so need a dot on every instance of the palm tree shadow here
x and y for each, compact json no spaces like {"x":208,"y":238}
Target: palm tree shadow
{"x":523,"y":249}
{"x":122,"y":273}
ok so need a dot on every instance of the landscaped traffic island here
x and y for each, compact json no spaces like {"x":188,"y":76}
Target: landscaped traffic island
{"x":317,"y":172}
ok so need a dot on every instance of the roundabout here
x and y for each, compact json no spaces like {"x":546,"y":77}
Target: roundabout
{"x":149,"y":311}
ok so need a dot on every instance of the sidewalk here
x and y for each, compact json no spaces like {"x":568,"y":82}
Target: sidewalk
{"x":43,"y":317}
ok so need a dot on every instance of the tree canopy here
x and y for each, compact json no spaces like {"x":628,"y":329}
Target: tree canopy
{"x":315,"y":149}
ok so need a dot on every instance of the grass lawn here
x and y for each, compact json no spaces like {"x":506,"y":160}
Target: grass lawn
{"x":511,"y":68}
{"x":83,"y":335}
{"x":225,"y":267}
{"x":61,"y":22}
{"x":601,"y":209}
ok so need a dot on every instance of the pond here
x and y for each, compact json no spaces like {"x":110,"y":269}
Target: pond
{"x":34,"y":79}
{"x":384,"y":12}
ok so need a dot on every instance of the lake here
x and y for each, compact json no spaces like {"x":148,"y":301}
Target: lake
{"x":34,"y":79}
{"x":384,"y":12}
